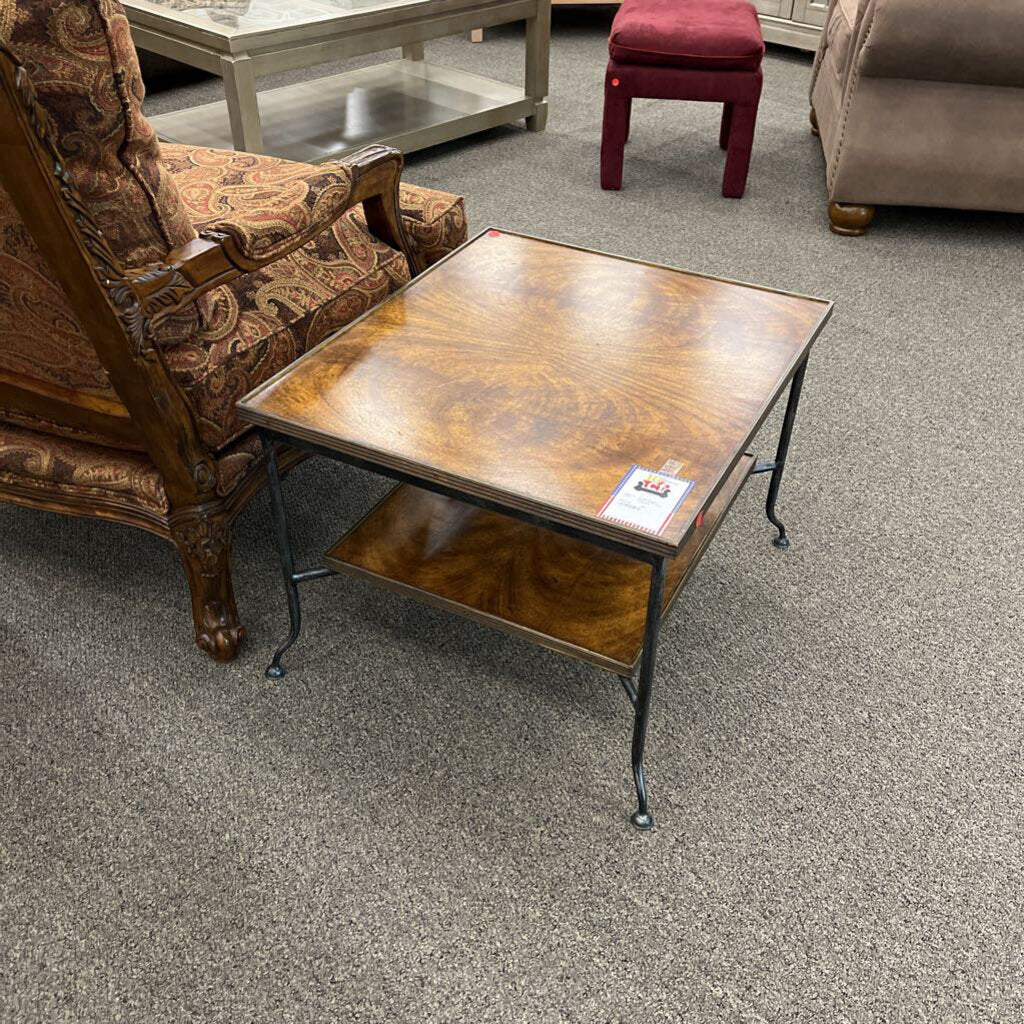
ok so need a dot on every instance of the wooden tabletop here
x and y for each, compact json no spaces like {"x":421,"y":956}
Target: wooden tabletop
{"x":535,"y":374}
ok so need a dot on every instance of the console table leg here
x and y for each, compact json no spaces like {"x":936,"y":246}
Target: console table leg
{"x":642,"y":817}
{"x":782,"y":541}
{"x":243,"y":106}
{"x":538,"y":44}
{"x":284,"y":549}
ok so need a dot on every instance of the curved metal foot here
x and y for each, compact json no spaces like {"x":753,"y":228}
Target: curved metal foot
{"x":782,"y":541}
{"x":643,"y":821}
{"x":641,"y":817}
{"x":276,"y":670}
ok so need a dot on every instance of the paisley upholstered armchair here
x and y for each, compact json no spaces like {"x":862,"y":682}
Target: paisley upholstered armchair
{"x":144,"y":290}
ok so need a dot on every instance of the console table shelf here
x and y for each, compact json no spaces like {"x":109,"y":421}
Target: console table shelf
{"x":558,"y":591}
{"x":409,"y":104}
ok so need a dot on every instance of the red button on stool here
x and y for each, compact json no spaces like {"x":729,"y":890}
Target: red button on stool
{"x":707,"y":50}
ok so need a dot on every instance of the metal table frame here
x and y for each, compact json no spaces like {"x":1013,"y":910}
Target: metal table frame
{"x":239,"y":57}
{"x":639,"y":695}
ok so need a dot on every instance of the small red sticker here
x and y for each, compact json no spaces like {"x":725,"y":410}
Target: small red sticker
{"x":615,"y":81}
{"x":700,"y":518}
{"x":493,"y":234}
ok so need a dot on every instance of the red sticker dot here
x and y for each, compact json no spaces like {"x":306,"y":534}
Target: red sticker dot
{"x":700,"y":518}
{"x":615,"y":81}
{"x":493,"y":234}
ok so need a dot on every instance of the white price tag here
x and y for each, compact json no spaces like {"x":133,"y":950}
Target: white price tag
{"x":645,"y":499}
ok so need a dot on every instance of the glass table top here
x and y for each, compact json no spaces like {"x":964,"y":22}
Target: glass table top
{"x":235,"y":17}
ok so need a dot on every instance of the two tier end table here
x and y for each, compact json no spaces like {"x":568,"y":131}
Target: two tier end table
{"x":567,"y":430}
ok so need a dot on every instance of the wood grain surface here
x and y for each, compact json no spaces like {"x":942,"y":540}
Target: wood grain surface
{"x":558,"y":591}
{"x":535,"y":374}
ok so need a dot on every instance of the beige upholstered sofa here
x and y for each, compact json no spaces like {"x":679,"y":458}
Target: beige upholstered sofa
{"x":920,"y":103}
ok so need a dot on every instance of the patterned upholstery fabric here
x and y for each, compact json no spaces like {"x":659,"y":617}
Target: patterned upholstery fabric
{"x":221,"y":186}
{"x":45,"y":463}
{"x":80,"y":57}
{"x":42,"y":463}
{"x":259,"y":201}
{"x":261,"y":322}
{"x":435,"y":222}
{"x":40,"y":336}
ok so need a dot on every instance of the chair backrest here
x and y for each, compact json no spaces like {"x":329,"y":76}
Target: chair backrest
{"x":78,"y":61}
{"x":80,"y":57}
{"x":83,"y":196}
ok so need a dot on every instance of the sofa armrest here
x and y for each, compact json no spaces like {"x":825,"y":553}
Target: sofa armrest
{"x":286,"y":221}
{"x":978,"y":43}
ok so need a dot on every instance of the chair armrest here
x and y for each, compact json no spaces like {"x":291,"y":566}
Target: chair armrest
{"x":978,"y":43}
{"x":298,"y":207}
{"x":284,"y":208}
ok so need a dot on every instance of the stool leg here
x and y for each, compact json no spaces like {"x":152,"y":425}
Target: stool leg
{"x":613,"y":133}
{"x":723,"y":134}
{"x":741,"y":141}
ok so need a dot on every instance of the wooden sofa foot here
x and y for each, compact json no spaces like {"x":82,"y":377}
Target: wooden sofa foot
{"x":203,"y":539}
{"x":849,"y":218}
{"x":814,"y":123}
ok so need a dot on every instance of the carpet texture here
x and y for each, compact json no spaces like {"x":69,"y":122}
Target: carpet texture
{"x":427,"y":820}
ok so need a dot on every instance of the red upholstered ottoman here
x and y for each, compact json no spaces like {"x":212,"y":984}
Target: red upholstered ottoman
{"x":684,"y":50}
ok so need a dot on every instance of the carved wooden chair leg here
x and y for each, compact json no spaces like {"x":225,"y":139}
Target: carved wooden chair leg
{"x":202,"y":536}
{"x":849,"y":218}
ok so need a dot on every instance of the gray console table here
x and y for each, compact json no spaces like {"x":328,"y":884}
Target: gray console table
{"x":408,"y":103}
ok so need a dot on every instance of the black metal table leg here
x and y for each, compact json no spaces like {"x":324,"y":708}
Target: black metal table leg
{"x":642,"y":817}
{"x":782,"y":541}
{"x":284,"y":548}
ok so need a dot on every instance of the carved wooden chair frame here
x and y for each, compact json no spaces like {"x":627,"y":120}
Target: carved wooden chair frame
{"x":118,"y":308}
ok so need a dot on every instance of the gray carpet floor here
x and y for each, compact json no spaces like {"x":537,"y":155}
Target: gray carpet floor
{"x":427,"y":821}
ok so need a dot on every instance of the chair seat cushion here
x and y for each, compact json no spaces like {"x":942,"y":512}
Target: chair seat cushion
{"x":722,"y":35}
{"x":38,"y":465}
{"x":262,"y":321}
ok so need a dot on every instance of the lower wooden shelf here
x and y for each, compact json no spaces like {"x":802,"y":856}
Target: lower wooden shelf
{"x":559,"y":592}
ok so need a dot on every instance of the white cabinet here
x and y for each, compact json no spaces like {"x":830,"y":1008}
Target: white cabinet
{"x":810,"y":12}
{"x":792,"y":22}
{"x":774,"y":8}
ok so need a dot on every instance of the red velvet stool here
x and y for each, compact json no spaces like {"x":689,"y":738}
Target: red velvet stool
{"x":684,"y":50}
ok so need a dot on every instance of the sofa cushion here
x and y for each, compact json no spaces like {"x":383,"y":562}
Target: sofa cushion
{"x":81,"y":60}
{"x":723,"y":35}
{"x":262,"y":321}
{"x":972,"y":43}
